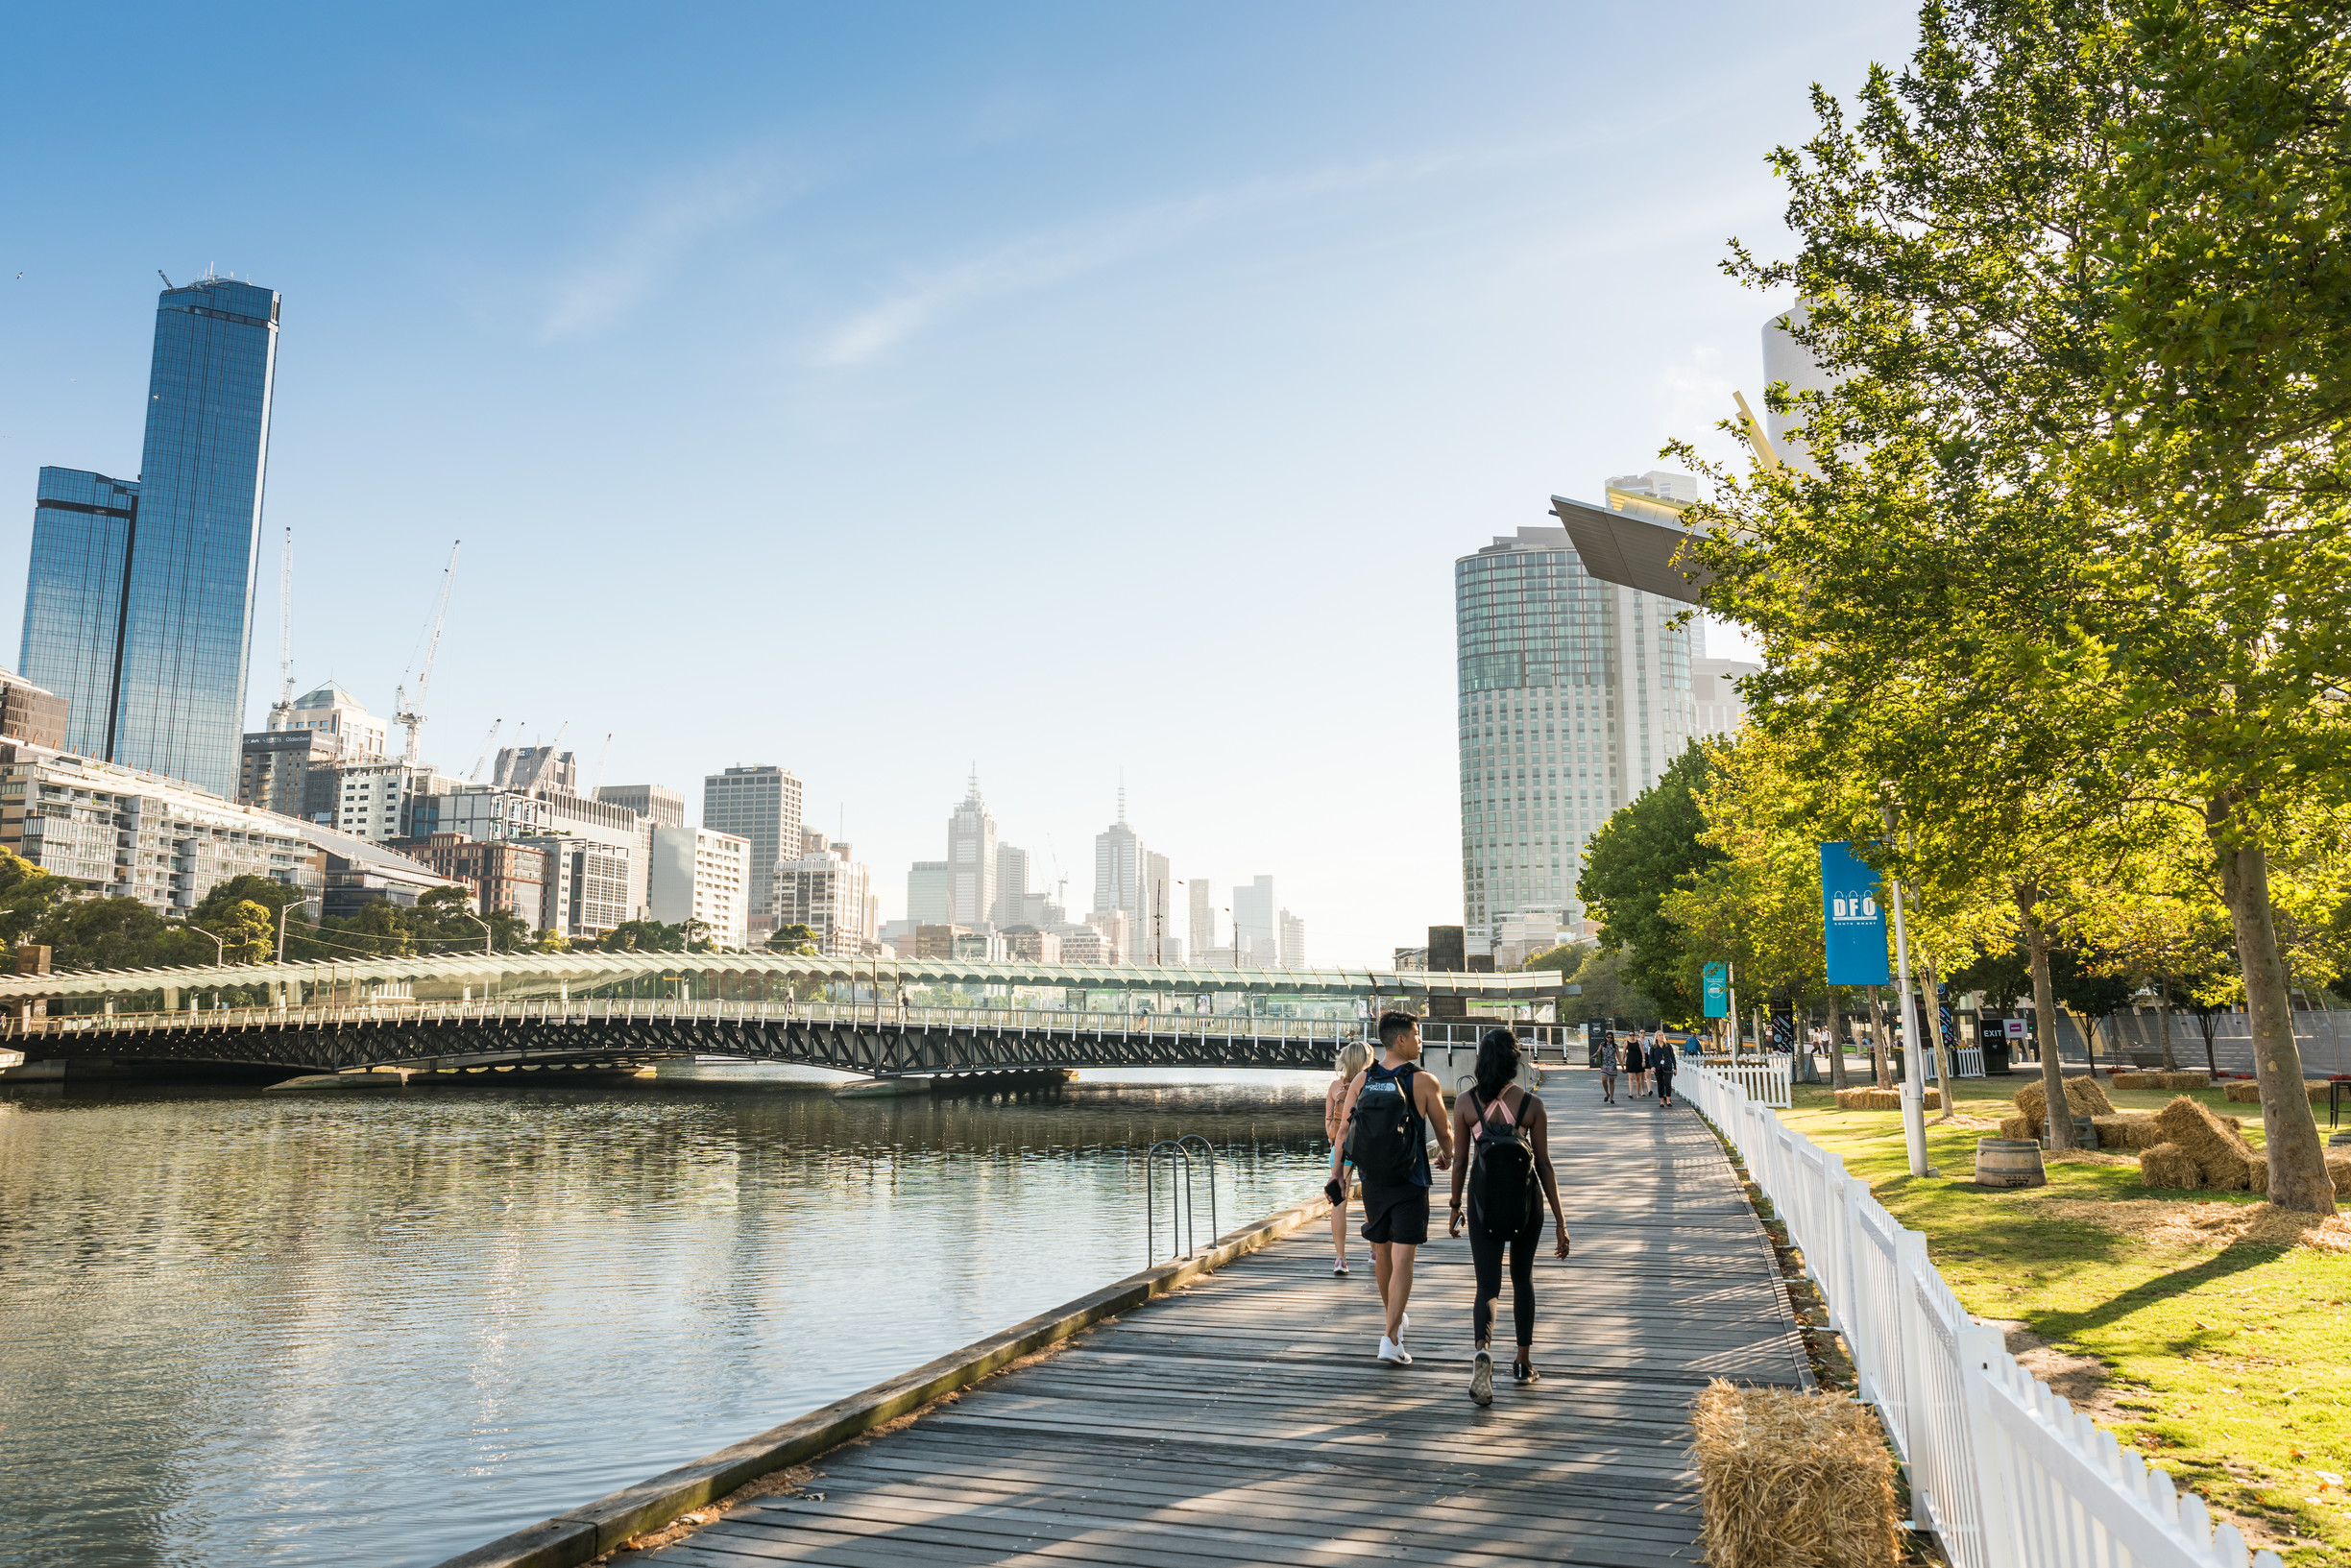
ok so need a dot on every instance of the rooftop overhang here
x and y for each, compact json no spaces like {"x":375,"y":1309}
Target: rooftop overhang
{"x":1631,"y":550}
{"x":523,"y":971}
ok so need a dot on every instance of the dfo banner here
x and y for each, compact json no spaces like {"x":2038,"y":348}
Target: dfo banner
{"x":1851,"y":919}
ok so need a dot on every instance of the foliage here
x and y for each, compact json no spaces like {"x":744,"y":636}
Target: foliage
{"x":1601,"y":973}
{"x":653,"y":936}
{"x":792,"y":939}
{"x":1640,"y":855}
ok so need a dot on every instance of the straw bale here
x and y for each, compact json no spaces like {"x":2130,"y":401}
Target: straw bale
{"x":2018,"y":1127}
{"x":2081,"y":1093}
{"x":2168,"y":1165}
{"x":1881,"y":1099}
{"x":2127,"y":1129}
{"x":2140,"y":1081}
{"x":2245,"y":1093}
{"x":2220,"y":1153}
{"x":1789,"y":1480}
{"x":2339,"y":1172}
{"x":2183,"y":1081}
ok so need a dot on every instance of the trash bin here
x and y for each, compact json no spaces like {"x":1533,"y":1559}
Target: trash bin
{"x":1996,"y":1058}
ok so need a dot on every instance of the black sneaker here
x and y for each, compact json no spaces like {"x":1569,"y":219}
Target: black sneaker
{"x":1523,"y":1373}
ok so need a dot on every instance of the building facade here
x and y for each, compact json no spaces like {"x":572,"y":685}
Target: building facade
{"x":1257,"y":923}
{"x":664,"y":808}
{"x":971,"y":860}
{"x":140,"y":599}
{"x":1204,"y":914}
{"x":930,"y":893}
{"x":762,"y":804}
{"x":1121,"y":871}
{"x":1292,"y":941}
{"x":334,"y":713}
{"x":703,"y":877}
{"x":1573,"y":696}
{"x":507,"y":877}
{"x":1010,"y":906}
{"x":318,"y":731}
{"x":587,"y":887}
{"x":827,"y":891}
{"x":31,"y":714}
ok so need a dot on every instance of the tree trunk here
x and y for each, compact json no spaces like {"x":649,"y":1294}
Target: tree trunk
{"x":1878,"y":1043}
{"x":2059,"y":1119}
{"x":2208,"y":1025}
{"x":2163,"y":1023}
{"x":1931,"y":1015}
{"x":2297,"y":1159}
{"x":1836,"y":1043}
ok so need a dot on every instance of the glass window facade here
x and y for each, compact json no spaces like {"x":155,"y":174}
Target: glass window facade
{"x":174,"y":641}
{"x":74,"y":598}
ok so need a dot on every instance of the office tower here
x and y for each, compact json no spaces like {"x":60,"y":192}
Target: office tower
{"x":334,"y":712}
{"x":1292,"y":941}
{"x":1120,"y":866}
{"x":139,"y":607}
{"x":536,"y":767}
{"x":701,"y":876}
{"x":664,"y":807}
{"x":761,"y":804}
{"x":1010,"y":904}
{"x":1203,"y":917}
{"x":1575,"y":697}
{"x":830,"y":893}
{"x":1255,"y":930}
{"x":930,"y":894}
{"x":971,"y":853}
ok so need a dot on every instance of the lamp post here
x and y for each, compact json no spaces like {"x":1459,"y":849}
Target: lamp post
{"x":283,"y":910}
{"x":220,"y":949}
{"x":483,"y":924}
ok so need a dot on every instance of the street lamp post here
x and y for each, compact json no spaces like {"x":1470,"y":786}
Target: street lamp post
{"x":483,"y":924}
{"x":283,"y":910}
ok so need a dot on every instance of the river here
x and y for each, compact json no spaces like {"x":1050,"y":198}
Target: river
{"x":286,"y":1329}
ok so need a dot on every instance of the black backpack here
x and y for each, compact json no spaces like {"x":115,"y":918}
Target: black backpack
{"x":1502,"y":1175}
{"x":1386,"y":1138}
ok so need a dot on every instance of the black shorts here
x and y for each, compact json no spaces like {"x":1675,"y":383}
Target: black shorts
{"x":1395,"y":1214}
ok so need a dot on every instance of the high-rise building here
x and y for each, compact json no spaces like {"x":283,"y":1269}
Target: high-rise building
{"x":971,"y":859}
{"x":331,"y":710}
{"x":503,"y":876}
{"x":1715,"y":705}
{"x":761,"y":804}
{"x":703,"y":877}
{"x":1010,"y":906}
{"x":1256,"y":924}
{"x":664,"y":807}
{"x":1292,"y":941}
{"x":139,"y":607}
{"x":1121,"y":869}
{"x":930,"y":894}
{"x":1574,"y":695}
{"x":1203,"y":915}
{"x":536,"y":767}
{"x":320,"y":729}
{"x":829,"y":892}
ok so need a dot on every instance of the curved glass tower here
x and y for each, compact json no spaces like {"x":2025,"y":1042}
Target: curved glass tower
{"x":160,"y":599}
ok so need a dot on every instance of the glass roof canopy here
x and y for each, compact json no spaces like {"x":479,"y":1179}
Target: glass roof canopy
{"x":534,"y":970}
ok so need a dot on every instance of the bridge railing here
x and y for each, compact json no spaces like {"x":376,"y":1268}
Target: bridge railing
{"x":2005,"y":1473}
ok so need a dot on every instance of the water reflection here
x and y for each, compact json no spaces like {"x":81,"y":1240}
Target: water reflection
{"x":280,"y":1328}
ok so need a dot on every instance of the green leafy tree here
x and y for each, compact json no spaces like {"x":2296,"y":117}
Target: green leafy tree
{"x":1601,"y":973}
{"x":1640,"y":855}
{"x":792,"y":939}
{"x":103,"y":933}
{"x":28,"y":895}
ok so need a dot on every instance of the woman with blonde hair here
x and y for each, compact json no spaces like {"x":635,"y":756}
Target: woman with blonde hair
{"x":1353,"y":1057}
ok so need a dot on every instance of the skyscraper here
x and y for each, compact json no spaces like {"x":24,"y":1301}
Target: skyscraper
{"x":1574,"y":694}
{"x":1121,"y":865}
{"x":1256,"y":932}
{"x":1009,"y":906}
{"x":971,"y":859}
{"x":761,"y":804}
{"x":138,"y":607}
{"x":1203,"y":916}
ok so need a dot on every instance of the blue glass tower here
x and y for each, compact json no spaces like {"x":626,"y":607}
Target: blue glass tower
{"x":161,"y":598}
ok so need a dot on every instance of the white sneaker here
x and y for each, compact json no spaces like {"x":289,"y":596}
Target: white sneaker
{"x":1403,"y":1327}
{"x":1481,"y":1380}
{"x":1339,"y":1266}
{"x":1391,"y":1351}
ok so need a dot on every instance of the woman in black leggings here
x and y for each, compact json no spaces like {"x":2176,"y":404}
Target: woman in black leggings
{"x":1503,"y":1127}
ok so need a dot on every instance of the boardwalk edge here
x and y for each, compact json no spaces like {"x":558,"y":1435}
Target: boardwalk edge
{"x":586,"y":1533}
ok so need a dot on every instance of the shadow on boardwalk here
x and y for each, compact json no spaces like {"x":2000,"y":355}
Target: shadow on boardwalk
{"x":1246,"y":1421}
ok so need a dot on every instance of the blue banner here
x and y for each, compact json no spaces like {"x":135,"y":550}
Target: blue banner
{"x":1718,"y":990}
{"x":1851,"y":918}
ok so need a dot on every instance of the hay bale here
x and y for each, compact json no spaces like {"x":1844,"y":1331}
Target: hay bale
{"x":2128,"y":1130}
{"x":2168,"y":1165}
{"x":2081,"y":1093}
{"x":2140,"y":1081}
{"x":2018,"y":1127}
{"x":2182,"y":1081}
{"x":1786,"y":1478}
{"x":2339,"y":1172}
{"x":2245,"y":1094}
{"x":2220,"y":1153}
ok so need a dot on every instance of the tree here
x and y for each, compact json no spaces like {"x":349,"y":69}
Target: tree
{"x":792,"y":939}
{"x":27,"y":896}
{"x":1641,"y":852}
{"x":247,"y":933}
{"x":1601,"y":973}
{"x":103,"y":933}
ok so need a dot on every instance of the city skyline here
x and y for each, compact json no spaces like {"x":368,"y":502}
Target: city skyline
{"x":1019,"y":324}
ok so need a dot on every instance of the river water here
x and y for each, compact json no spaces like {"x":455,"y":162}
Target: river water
{"x":297,"y":1329}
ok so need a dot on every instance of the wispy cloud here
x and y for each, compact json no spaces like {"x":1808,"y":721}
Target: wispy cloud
{"x":1071,"y":251}
{"x":667,"y":224}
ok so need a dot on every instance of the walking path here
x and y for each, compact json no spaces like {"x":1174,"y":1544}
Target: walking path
{"x":1246,"y":1421}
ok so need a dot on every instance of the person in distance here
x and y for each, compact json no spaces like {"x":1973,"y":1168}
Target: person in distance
{"x":1390,"y":1109}
{"x":1506,"y":1166}
{"x":1661,"y":1063}
{"x":1610,"y":1055}
{"x":1353,"y":1057}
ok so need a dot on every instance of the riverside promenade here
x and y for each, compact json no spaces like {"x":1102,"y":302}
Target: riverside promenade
{"x":1244,"y":1420}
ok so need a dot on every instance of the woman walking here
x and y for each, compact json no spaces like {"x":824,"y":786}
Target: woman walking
{"x":1608,"y":1056}
{"x":1504,"y":1136}
{"x":1636,"y":1066}
{"x":1661,"y":1063}
{"x":1353,"y":1057}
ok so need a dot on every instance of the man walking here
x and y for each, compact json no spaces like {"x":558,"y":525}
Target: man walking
{"x":1392,"y":1108}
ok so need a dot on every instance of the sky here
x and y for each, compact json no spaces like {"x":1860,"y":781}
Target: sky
{"x":1077,"y":394}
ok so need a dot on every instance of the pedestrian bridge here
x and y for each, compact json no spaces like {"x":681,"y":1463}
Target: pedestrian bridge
{"x":480,"y":1012}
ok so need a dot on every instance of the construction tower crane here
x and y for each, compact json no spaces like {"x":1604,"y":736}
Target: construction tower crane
{"x":488,"y":746}
{"x":286,"y":623}
{"x":596,"y":789}
{"x":403,"y":712}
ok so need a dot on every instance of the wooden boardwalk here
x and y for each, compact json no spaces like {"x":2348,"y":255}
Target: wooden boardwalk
{"x":1244,"y":1420}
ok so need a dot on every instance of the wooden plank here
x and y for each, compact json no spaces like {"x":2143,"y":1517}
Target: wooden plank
{"x":1243,"y":1419}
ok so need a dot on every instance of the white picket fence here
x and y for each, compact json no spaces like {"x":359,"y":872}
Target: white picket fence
{"x":2003,"y":1471}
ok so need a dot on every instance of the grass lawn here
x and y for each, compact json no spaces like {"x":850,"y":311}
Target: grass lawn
{"x":2225,"y":1360}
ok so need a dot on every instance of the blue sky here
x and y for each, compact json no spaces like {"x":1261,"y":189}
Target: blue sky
{"x":1071,"y":391}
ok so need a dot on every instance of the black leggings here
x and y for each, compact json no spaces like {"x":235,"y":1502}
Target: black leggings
{"x":1486,"y":1252}
{"x":1664,"y":1085}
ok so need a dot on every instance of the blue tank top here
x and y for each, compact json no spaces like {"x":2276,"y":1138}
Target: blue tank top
{"x":1382,"y":1080}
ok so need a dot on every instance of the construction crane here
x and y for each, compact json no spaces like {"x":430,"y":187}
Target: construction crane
{"x":286,"y":623}
{"x":488,"y":746}
{"x":403,"y":712}
{"x":603,"y":757}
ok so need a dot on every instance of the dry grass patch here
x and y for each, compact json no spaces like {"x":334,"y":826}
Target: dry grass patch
{"x":1789,"y":1479}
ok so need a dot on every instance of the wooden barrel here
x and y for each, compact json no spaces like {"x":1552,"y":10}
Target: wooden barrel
{"x":2008,"y":1162}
